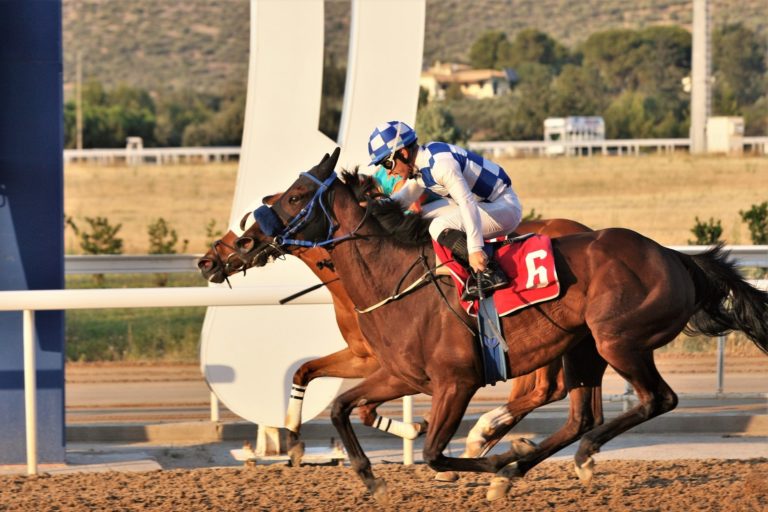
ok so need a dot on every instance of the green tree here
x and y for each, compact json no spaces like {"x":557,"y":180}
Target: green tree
{"x":110,"y":117}
{"x":577,"y":91}
{"x":522,"y":114}
{"x":613,"y":53}
{"x":162,"y":240}
{"x":706,"y":233}
{"x":100,"y":238}
{"x":225,"y":126}
{"x":176,"y":111}
{"x":533,"y":46}
{"x":738,"y":59}
{"x":637,"y":115}
{"x":435,"y":123}
{"x":486,"y":50}
{"x":757,"y":220}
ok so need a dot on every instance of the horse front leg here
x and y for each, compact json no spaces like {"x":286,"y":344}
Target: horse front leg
{"x":376,"y":388}
{"x":345,"y":364}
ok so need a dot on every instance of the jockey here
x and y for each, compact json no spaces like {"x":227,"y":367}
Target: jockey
{"x":477,"y":197}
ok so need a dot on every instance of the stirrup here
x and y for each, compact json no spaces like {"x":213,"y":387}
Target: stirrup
{"x":487,"y":281}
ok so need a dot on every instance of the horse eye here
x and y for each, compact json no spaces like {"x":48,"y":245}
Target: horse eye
{"x":293,"y":199}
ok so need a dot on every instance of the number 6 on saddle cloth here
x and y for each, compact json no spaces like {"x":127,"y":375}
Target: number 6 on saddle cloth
{"x":530,"y":266}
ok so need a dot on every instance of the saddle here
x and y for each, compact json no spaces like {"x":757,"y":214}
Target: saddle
{"x":527,"y":261}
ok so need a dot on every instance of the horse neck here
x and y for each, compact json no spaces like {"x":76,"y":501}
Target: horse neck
{"x":370,"y":265}
{"x":311,"y":258}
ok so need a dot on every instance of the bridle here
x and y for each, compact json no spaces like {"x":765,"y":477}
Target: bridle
{"x":275,"y":222}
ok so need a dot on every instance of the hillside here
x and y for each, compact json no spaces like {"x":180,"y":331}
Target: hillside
{"x":203,"y":44}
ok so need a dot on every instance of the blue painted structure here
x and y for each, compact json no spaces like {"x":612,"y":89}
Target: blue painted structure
{"x":31,"y":217}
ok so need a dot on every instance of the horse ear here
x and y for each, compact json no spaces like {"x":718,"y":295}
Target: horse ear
{"x":271,"y":199}
{"x":328,"y":165}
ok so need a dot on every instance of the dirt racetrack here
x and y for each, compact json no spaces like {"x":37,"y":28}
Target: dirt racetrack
{"x":680,"y":485}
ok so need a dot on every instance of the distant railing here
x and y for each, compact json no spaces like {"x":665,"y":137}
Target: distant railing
{"x":159,"y":156}
{"x":751,"y":145}
{"x":744,"y":255}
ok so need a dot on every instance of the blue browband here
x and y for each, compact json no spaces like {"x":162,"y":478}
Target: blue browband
{"x":274,"y":224}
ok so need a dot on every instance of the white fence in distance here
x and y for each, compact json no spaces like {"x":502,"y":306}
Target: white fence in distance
{"x":160,"y":156}
{"x":744,"y":255}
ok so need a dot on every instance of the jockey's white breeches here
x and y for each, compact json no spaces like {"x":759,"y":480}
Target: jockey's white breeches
{"x":497,"y":218}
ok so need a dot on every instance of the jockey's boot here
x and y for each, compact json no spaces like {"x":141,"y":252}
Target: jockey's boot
{"x":485,"y":282}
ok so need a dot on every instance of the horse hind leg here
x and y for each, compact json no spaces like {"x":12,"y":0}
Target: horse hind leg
{"x":528,"y":392}
{"x":583,"y":370}
{"x":655,"y":397}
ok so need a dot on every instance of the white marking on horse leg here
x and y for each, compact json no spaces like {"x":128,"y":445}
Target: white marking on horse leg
{"x":398,"y":428}
{"x":295,"y":402}
{"x":477,"y":439}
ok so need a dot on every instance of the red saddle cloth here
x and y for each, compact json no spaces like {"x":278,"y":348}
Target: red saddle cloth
{"x":529,"y":264}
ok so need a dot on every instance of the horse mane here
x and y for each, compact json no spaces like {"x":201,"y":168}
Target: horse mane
{"x":404,"y":226}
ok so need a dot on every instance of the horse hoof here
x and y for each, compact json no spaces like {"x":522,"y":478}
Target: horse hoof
{"x":523,"y":447}
{"x":296,"y":452}
{"x":498,"y":489}
{"x":379,"y":492}
{"x":510,"y":471}
{"x":584,"y":472}
{"x":447,"y":476}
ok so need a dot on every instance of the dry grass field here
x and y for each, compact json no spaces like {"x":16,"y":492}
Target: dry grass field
{"x":660,"y":196}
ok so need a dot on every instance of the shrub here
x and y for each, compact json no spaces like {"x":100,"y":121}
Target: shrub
{"x":212,"y":233}
{"x":163,"y":240}
{"x":101,"y":238}
{"x":706,"y":233}
{"x":757,"y":220}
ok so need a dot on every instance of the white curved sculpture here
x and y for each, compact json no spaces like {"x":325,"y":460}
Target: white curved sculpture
{"x":249,"y":354}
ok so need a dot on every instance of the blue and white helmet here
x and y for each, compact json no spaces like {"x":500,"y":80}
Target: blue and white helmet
{"x":387,"y":138}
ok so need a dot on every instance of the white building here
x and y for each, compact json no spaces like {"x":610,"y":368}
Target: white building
{"x":473,"y":83}
{"x":571,"y":129}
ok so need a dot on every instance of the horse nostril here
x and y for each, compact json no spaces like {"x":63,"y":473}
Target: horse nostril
{"x":205,"y":264}
{"x":244,"y":244}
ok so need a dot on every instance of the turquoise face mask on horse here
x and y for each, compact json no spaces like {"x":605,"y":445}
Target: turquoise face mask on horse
{"x":630,"y":293}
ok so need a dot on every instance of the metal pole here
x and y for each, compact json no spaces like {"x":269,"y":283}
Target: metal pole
{"x":627,"y":401}
{"x":407,"y":418}
{"x":30,"y":389}
{"x":214,"y":407}
{"x":720,"y":364}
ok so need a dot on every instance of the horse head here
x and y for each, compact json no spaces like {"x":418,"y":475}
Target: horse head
{"x":301,"y":211}
{"x":222,"y":259}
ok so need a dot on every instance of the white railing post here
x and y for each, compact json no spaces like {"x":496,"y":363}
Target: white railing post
{"x":407,"y":418}
{"x":720,"y":364}
{"x":214,"y":407}
{"x":30,"y":389}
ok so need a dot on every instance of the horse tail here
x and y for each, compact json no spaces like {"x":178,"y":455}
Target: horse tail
{"x":725,"y":301}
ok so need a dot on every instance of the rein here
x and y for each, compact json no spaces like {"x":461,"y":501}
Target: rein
{"x":220,"y":261}
{"x":426,"y":277}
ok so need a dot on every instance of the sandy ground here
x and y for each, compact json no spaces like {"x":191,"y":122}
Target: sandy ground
{"x":682,"y":485}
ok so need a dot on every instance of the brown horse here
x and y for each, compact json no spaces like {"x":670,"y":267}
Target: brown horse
{"x":631,"y":293}
{"x":527,"y":393}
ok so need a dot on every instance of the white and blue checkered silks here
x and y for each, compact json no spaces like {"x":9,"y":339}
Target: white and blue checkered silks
{"x":485,"y":179}
{"x":387,"y":138}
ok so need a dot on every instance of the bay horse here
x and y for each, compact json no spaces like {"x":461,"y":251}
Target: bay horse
{"x":528,"y":392}
{"x":631,"y":293}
